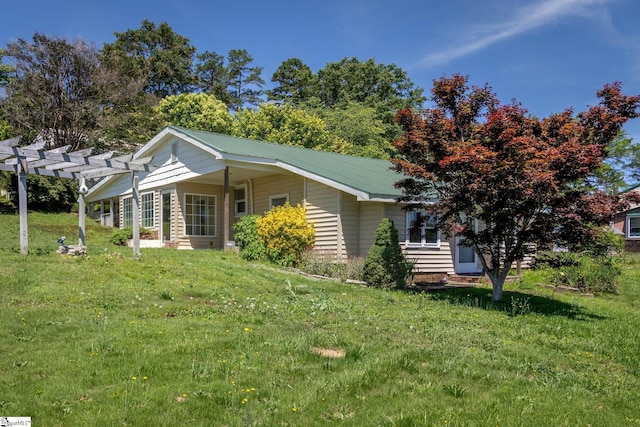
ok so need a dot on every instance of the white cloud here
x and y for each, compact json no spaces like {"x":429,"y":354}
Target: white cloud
{"x":524,"y":19}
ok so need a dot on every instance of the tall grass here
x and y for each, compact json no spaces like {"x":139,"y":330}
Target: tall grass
{"x":204,"y":338}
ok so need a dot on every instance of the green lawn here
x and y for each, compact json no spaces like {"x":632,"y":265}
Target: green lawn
{"x":204,"y":338}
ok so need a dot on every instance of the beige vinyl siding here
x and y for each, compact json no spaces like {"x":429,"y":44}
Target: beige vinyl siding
{"x":274,"y":185}
{"x":349,"y":215}
{"x":323,"y":203}
{"x":371,"y":213}
{"x":198,"y":242}
{"x":428,"y":259}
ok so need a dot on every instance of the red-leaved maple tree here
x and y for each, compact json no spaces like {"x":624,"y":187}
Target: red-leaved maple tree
{"x":517,"y":176}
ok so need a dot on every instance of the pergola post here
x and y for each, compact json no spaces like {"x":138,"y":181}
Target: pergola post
{"x":82,"y":192}
{"x":135,"y":207}
{"x":22,"y":205}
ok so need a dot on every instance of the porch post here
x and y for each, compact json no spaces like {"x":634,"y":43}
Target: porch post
{"x":22,"y":205}
{"x":81,"y":211}
{"x":112,"y":213}
{"x":226,"y":209}
{"x":135,"y":214}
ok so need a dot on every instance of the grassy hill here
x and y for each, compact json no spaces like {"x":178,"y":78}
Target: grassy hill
{"x":204,"y":338}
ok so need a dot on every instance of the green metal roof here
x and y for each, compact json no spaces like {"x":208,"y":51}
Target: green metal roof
{"x":372,"y":176}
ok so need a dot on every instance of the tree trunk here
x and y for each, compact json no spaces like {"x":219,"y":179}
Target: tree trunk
{"x":497,"y":280}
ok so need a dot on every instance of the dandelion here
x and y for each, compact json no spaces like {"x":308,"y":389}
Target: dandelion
{"x":134,"y":378}
{"x":244,"y":401}
{"x":294,"y":409}
{"x":145,"y":378}
{"x":246,"y":329}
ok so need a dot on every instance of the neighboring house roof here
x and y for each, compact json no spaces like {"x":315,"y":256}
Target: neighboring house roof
{"x":370,"y":179}
{"x":631,"y":188}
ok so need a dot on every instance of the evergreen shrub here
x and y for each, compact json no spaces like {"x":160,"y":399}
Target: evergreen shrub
{"x":386,"y":265}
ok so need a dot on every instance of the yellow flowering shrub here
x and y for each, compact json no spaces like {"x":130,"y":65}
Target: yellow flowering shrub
{"x":286,"y":234}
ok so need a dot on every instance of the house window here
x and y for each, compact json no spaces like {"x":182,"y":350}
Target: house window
{"x":147,"y":210}
{"x":127,"y":212}
{"x":633,"y":226}
{"x":200,"y":215}
{"x":240,"y":200}
{"x":422,"y":229}
{"x":278,"y":200}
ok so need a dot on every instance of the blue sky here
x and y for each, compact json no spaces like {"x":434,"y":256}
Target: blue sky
{"x":547,"y":54}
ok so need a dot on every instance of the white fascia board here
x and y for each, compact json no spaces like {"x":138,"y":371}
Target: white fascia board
{"x":96,"y":188}
{"x":179,"y":135}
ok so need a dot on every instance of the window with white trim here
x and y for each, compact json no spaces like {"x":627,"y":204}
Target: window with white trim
{"x":147,"y":209}
{"x":240,"y":200}
{"x":633,"y":226}
{"x":422,"y":229}
{"x":278,"y":200}
{"x":200,"y":215}
{"x":127,"y":212}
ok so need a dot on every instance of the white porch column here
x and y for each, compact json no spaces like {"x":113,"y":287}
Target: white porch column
{"x":112,"y":213}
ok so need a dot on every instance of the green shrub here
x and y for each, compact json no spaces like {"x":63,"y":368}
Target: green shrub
{"x":386,"y":265}
{"x":592,"y":274}
{"x":245,"y":233}
{"x":555,"y":260}
{"x":286,"y":234}
{"x":120,"y":236}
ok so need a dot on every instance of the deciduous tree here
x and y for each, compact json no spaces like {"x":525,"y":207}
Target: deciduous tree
{"x":59,"y":90}
{"x":359,"y":125}
{"x":621,"y":165}
{"x":198,"y":111}
{"x":519,"y":176}
{"x":288,"y":126}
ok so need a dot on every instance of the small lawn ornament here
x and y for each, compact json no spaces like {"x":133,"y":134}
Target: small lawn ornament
{"x":71,"y":249}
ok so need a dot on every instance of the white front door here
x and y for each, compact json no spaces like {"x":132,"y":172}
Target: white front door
{"x":466,"y":259}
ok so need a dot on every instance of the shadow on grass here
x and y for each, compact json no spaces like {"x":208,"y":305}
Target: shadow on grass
{"x":513,"y":303}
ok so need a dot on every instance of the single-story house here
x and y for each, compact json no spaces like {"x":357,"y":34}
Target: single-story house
{"x":204,"y":182}
{"x":627,"y":224}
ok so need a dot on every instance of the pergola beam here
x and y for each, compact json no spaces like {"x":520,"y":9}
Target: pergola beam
{"x":76,"y":160}
{"x":33,"y":159}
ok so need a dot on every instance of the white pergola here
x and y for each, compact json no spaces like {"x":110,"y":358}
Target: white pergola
{"x":80,"y":165}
